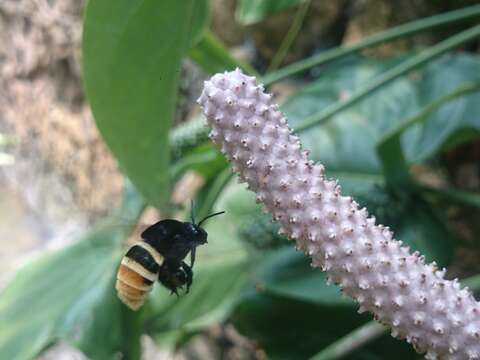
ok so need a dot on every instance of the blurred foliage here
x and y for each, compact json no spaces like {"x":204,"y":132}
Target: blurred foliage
{"x":66,"y":295}
{"x":252,"y":11}
{"x":69,"y":295}
{"x":212,"y":56}
{"x":247,"y":274}
{"x":261,"y":233}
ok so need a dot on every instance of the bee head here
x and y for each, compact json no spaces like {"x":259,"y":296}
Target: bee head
{"x":196,"y":230}
{"x":198,"y":234}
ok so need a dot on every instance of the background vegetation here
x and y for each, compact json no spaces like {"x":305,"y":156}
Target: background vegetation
{"x":394,"y":130}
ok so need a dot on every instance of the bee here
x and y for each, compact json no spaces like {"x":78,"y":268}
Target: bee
{"x":160,"y":256}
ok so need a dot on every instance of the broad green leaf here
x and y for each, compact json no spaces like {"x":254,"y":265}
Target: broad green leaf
{"x":69,"y":295}
{"x":348,"y":140}
{"x":66,"y":295}
{"x":131,"y":63}
{"x":389,"y":148}
{"x":456,"y":122}
{"x":424,"y":228}
{"x":199,"y":22}
{"x":287,"y":273}
{"x":289,"y":329}
{"x":394,"y":165}
{"x":251,"y":11}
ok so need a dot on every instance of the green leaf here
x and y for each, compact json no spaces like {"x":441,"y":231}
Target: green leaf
{"x":394,"y":165}
{"x":389,"y":148}
{"x":66,"y":295}
{"x":212,"y":56}
{"x":289,"y":329}
{"x":251,"y":11}
{"x":287,"y":273}
{"x":347,"y":143}
{"x":205,"y":159}
{"x":199,"y":22}
{"x":375,"y":116}
{"x":455,"y":122}
{"x":131,"y":62}
{"x":424,"y":229}
{"x":412,"y":63}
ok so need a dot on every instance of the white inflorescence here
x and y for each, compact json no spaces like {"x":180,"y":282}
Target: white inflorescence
{"x":435,"y":315}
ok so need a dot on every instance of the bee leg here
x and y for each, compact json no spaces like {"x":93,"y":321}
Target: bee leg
{"x":192,"y":257}
{"x":167,"y":279}
{"x":189,"y":273}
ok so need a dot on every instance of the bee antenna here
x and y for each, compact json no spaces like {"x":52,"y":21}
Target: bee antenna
{"x":192,"y":215}
{"x":209,"y":216}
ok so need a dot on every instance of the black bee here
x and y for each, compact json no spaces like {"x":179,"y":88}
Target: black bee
{"x":160,"y":256}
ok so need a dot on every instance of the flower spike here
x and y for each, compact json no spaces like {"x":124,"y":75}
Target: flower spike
{"x":433,"y":314}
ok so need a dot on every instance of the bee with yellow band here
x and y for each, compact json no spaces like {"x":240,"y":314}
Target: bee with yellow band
{"x":160,"y":256}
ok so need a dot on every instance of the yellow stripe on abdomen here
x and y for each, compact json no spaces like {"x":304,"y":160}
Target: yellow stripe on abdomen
{"x":139,"y":269}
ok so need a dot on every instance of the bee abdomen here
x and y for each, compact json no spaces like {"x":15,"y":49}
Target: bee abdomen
{"x":136,"y":274}
{"x":130,"y":296}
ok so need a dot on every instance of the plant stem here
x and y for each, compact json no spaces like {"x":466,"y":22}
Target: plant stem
{"x":220,"y":182}
{"x":403,"y":68}
{"x":397,"y":32}
{"x":453,"y":195}
{"x":290,"y":37}
{"x":133,"y":348}
{"x":353,"y":341}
